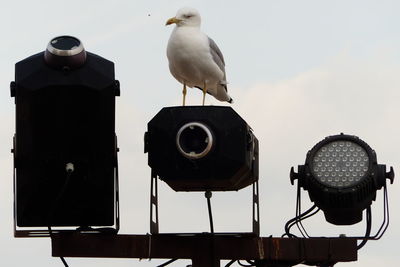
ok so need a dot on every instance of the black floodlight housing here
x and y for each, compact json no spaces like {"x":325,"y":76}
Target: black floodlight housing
{"x":65,"y":148}
{"x":202,"y":148}
{"x":341,"y":175}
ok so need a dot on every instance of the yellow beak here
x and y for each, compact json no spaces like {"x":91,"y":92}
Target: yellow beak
{"x":172,"y":20}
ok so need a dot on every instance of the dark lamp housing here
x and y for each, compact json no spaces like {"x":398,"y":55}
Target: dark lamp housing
{"x":198,"y":148}
{"x":65,"y":52}
{"x":341,"y":175}
{"x":65,"y":147}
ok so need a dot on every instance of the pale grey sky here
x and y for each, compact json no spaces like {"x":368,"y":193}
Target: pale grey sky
{"x":298,"y":71}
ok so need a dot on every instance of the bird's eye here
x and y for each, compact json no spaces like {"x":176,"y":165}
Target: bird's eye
{"x":188,"y":16}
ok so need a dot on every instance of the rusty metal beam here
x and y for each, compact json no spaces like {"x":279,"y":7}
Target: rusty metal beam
{"x":206,"y":247}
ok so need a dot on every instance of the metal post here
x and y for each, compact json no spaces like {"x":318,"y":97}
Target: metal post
{"x":154,"y":204}
{"x":256,"y":210}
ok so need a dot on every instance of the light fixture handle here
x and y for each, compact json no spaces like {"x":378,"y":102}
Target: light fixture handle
{"x":390,"y":175}
{"x":293,"y":175}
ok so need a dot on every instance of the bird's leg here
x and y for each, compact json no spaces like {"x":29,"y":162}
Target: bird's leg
{"x":184,"y":93}
{"x":204,"y":92}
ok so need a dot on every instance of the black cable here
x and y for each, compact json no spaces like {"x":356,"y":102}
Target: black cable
{"x":245,"y":265}
{"x":298,"y":209}
{"x":55,"y":203}
{"x":385,"y":223}
{"x":168,"y":262}
{"x":368,"y":228}
{"x":61,"y":258}
{"x":208,"y":195}
{"x":302,"y":217}
{"x":230,"y":263}
{"x":297,"y":220}
{"x":59,"y":196}
{"x":299,"y":217}
{"x":299,"y":224}
{"x":64,"y":262}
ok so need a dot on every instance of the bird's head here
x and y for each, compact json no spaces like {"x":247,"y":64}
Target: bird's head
{"x":186,"y":16}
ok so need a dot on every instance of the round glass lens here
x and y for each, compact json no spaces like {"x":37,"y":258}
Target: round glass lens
{"x":340,"y":164}
{"x":65,"y":43}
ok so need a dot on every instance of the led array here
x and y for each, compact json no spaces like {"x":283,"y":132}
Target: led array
{"x":340,"y":164}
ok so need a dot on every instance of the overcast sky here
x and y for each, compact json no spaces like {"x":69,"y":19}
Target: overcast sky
{"x":297,"y":70}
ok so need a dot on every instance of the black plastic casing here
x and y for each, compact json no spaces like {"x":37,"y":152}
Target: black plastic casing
{"x":231,"y":164}
{"x":65,"y":116}
{"x":343,"y":206}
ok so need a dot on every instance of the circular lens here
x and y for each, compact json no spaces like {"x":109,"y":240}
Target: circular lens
{"x":194,"y":140}
{"x":65,"y":43}
{"x":345,"y":164}
{"x":65,"y":46}
{"x":65,"y":52}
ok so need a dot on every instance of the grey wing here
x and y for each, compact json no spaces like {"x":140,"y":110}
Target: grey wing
{"x":217,"y":57}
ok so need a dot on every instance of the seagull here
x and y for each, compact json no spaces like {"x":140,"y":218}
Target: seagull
{"x":194,"y":58}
